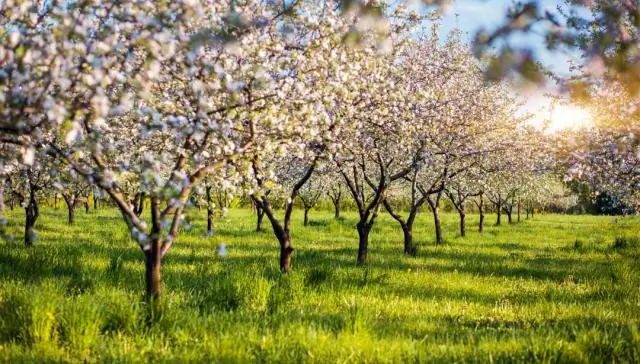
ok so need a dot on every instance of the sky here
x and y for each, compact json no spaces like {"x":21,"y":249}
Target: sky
{"x":471,"y":15}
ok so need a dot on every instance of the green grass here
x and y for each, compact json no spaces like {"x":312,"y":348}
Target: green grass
{"x":515,"y":293}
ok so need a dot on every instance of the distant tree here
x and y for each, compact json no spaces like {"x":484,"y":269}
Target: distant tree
{"x":29,"y":182}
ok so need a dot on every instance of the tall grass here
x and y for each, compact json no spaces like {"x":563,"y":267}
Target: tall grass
{"x":552,"y":289}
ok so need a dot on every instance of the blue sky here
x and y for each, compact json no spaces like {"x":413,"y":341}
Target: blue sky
{"x":475,"y":14}
{"x":471,"y":15}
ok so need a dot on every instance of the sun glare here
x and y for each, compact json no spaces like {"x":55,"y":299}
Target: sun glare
{"x":568,"y":117}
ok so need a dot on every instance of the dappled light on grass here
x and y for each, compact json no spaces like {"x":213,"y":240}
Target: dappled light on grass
{"x":502,"y":295}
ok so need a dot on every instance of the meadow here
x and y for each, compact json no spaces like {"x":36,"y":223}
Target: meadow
{"x":555,"y":288}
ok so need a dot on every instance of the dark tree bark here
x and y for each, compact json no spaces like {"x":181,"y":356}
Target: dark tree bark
{"x":138,"y":203}
{"x":55,"y":200}
{"x":209,"y":211}
{"x":309,"y":202}
{"x":282,"y":231}
{"x":153,"y":271}
{"x":499,"y":211}
{"x":368,"y":207}
{"x":70,"y":202}
{"x":259,"y":217}
{"x":481,"y":212}
{"x":509,"y":211}
{"x":209,"y":221}
{"x":153,"y":255}
{"x":458,"y":199}
{"x":32,"y":212}
{"x":363,"y":241}
{"x":407,"y":225}
{"x":95,"y":202}
{"x":407,"y":233}
{"x":335,"y":195}
{"x":306,"y":216}
{"x":518,"y":210}
{"x":434,"y":204}
{"x":134,"y":203}
{"x":86,"y":205}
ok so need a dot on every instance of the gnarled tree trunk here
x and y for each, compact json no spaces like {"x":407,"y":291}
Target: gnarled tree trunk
{"x":284,"y":240}
{"x":406,"y":225}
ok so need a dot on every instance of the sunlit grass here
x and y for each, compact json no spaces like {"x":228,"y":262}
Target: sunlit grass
{"x":522,"y":292}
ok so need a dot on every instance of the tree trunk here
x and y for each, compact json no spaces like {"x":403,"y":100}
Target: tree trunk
{"x":86,"y":205}
{"x":209,"y":221}
{"x":435,"y":209}
{"x":509,"y":212}
{"x":285,"y":253}
{"x":286,"y":249}
{"x":134,"y":203}
{"x":141,"y":204}
{"x":71,"y":216}
{"x":407,"y":231}
{"x":153,"y":270}
{"x":260,"y":216}
{"x":463,"y":227}
{"x":481,"y":211}
{"x":55,"y":200}
{"x":363,"y":241}
{"x":138,"y":203}
{"x":336,"y":207}
{"x":282,"y":234}
{"x":209,"y":212}
{"x":436,"y":221}
{"x":498,"y":221}
{"x":306,"y":216}
{"x":518,"y":210}
{"x":31,"y":215}
{"x":95,"y":202}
